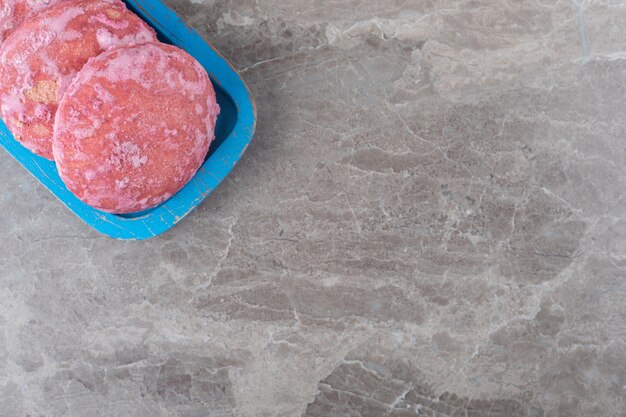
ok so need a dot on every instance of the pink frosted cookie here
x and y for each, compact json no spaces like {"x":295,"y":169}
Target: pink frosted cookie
{"x":14,"y":12}
{"x":40,"y":59}
{"x":134,"y":127}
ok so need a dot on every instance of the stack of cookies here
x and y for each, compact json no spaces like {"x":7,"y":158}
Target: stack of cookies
{"x":127,"y":119}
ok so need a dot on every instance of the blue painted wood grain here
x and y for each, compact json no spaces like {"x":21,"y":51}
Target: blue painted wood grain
{"x":234,"y":131}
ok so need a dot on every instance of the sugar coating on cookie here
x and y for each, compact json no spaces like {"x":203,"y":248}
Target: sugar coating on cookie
{"x":134,"y":127}
{"x":40,"y":59}
{"x":14,"y":12}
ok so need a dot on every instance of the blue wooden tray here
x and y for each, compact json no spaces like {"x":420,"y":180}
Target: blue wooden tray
{"x":234,"y":131}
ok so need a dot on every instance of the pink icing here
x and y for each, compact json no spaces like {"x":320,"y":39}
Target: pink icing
{"x":134,"y":127}
{"x":14,"y":12}
{"x":53,"y":47}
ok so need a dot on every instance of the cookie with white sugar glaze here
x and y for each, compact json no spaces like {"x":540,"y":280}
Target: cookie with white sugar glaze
{"x":134,"y":127}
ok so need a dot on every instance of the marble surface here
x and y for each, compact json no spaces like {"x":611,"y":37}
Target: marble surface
{"x":431,"y":221}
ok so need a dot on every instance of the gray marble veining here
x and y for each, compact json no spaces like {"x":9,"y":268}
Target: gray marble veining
{"x":431,"y":221}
